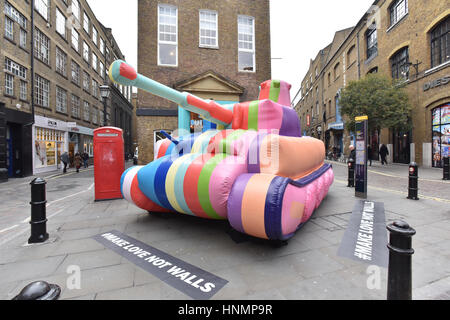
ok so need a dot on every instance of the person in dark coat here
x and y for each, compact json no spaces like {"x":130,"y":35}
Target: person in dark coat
{"x":352,"y":152}
{"x":383,"y":153}
{"x":77,"y":161}
{"x":85,"y":157}
{"x":65,"y":160}
{"x":369,"y":155}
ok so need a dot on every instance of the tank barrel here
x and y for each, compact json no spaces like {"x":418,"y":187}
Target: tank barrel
{"x":124,"y":74}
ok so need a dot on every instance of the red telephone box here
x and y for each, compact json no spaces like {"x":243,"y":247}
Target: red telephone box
{"x":109,"y":162}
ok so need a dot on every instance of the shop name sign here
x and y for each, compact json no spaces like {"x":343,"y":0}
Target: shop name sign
{"x":436,"y":83}
{"x":52,"y":124}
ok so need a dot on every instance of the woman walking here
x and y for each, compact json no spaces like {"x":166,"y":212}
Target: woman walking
{"x":77,"y":161}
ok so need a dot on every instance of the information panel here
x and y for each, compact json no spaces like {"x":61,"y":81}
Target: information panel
{"x":361,"y":157}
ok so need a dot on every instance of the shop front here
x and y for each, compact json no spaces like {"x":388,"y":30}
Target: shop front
{"x":50,"y":142}
{"x":81,"y":139}
{"x":440,"y":134}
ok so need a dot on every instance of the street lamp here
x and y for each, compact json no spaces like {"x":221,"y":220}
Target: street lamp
{"x":105,"y":92}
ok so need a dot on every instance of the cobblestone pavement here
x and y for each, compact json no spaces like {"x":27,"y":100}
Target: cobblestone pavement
{"x":307,"y":268}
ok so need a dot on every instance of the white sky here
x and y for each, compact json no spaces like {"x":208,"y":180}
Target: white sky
{"x":299,"y":29}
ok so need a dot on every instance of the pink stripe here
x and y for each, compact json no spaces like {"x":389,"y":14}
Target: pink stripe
{"x":293,"y":209}
{"x":270,"y":115}
{"x":222,"y":180}
{"x":240,"y":146}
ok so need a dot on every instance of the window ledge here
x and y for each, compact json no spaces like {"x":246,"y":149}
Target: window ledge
{"x":371,"y":58}
{"x":437,"y":68}
{"x":209,"y":47}
{"x":397,"y":23}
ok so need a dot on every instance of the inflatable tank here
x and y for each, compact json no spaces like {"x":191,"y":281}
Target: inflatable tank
{"x":256,"y":170}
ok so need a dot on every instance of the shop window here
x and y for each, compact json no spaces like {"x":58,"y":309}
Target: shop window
{"x":440,"y":43}
{"x":441,"y":134}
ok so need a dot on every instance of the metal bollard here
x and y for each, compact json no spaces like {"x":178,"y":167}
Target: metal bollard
{"x":400,"y":261}
{"x":413,"y":187}
{"x":351,"y":173}
{"x":38,"y":212}
{"x":39,"y":290}
{"x":446,"y":168}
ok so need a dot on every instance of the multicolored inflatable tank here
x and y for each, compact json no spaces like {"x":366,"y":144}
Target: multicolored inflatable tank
{"x":257,"y":172}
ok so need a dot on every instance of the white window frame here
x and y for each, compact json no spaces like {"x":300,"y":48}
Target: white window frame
{"x":61,"y":100}
{"x":23,"y":36}
{"x":75,"y":45}
{"x":23,"y":90}
{"x":88,"y":20}
{"x":76,"y":9}
{"x":42,"y":7}
{"x":61,"y":23}
{"x":246,"y":50}
{"x":216,"y":46}
{"x":86,"y":111}
{"x":168,"y":42}
{"x":61,"y":61}
{"x":86,"y":51}
{"x":9,"y":28}
{"x":9,"y":84}
{"x":95,"y":35}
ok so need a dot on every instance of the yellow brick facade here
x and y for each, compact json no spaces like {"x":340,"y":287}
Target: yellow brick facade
{"x":348,"y":57}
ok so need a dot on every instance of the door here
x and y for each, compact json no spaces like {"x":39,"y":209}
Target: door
{"x":402,"y":147}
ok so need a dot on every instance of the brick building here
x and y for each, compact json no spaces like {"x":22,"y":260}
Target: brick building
{"x":405,"y":39}
{"x":50,"y":101}
{"x":215,"y":50}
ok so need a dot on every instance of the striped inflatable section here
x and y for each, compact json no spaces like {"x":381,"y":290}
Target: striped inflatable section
{"x":131,"y":192}
{"x":272,"y":207}
{"x":266,"y":116}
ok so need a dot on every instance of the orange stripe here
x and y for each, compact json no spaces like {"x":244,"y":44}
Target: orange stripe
{"x":254,"y":203}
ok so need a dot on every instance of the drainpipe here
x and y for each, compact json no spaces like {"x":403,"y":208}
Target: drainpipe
{"x":359,"y":56}
{"x":32,"y":63}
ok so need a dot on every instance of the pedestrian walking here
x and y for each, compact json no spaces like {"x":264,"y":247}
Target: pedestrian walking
{"x":77,"y":161}
{"x":383,"y":153}
{"x":65,"y":160}
{"x":85,"y":157}
{"x":369,"y":155}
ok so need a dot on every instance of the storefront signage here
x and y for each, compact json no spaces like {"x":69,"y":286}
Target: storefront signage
{"x":189,"y":279}
{"x":365,"y":239}
{"x":52,"y":124}
{"x":71,"y":124}
{"x":336,"y":126}
{"x":436,"y":83}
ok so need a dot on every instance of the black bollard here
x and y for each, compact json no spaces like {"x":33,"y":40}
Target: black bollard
{"x":38,"y":212}
{"x":446,"y":168}
{"x":413,"y":187}
{"x":39,"y":290}
{"x":351,"y":173}
{"x":400,"y":261}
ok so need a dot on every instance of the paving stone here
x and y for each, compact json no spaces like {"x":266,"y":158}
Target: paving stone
{"x":7,"y":290}
{"x":313,"y":263}
{"x":75,"y":246}
{"x":90,"y":260}
{"x":32,"y":269}
{"x":433,"y":291}
{"x":153,"y":291}
{"x":102,"y":279}
{"x":78,"y":234}
{"x":268,"y":274}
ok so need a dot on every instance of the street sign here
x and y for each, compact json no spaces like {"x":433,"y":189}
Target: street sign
{"x":361,"y":157}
